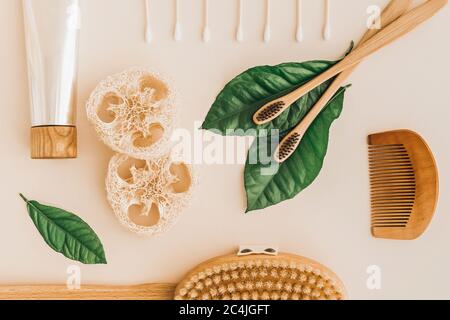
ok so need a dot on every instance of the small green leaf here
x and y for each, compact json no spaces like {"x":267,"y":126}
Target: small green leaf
{"x":268,"y":183}
{"x":244,"y":95}
{"x":66,"y":233}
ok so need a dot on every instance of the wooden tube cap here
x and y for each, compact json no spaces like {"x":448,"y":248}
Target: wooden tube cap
{"x":54,"y":142}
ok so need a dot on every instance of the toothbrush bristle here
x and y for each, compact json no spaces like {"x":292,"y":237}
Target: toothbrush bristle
{"x":270,"y":111}
{"x":288,"y":146}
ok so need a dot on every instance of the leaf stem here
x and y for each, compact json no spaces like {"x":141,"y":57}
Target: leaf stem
{"x":23,"y":197}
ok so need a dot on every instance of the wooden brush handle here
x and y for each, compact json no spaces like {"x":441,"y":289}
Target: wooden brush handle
{"x":394,"y":10}
{"x":392,"y":32}
{"x":139,"y":292}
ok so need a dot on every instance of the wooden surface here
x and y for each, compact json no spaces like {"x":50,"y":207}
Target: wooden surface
{"x":53,"y":142}
{"x":393,"y":11}
{"x":140,"y":292}
{"x":392,"y":197}
{"x":234,"y":259}
{"x":392,"y":32}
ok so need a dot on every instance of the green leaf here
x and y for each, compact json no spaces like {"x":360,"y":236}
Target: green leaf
{"x":245,"y":94}
{"x":268,"y":183}
{"x":66,"y":233}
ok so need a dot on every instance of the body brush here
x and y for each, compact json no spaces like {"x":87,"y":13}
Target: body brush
{"x":256,"y":273}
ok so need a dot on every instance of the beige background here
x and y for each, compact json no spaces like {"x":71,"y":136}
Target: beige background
{"x":406,"y":85}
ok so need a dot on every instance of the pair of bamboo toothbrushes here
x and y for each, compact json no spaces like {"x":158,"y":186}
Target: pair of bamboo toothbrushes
{"x":396,"y":24}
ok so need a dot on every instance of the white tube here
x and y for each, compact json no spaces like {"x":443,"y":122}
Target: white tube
{"x":51,"y":35}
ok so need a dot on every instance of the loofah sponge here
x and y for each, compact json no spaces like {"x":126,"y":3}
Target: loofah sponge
{"x":133,"y":113}
{"x":148,"y":196}
{"x":261,"y":277}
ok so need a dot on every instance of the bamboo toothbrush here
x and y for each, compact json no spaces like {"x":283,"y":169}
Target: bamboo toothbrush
{"x":240,"y":28}
{"x":206,"y":31}
{"x":327,"y":24}
{"x":148,"y":29}
{"x":267,"y":29}
{"x":177,"y":32}
{"x":393,"y":31}
{"x":299,"y":31}
{"x":289,"y":144}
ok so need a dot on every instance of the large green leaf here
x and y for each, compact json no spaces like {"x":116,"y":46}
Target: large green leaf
{"x":268,"y":183}
{"x":66,"y":233}
{"x":245,"y":94}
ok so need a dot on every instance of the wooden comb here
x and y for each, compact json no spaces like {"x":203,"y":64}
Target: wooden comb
{"x":404,"y":184}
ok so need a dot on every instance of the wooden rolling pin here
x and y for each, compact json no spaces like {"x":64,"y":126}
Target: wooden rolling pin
{"x":154,"y":291}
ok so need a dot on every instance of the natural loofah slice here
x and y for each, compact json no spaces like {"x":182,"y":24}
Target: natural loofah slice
{"x":133,"y":113}
{"x":148,"y":196}
{"x":261,"y":277}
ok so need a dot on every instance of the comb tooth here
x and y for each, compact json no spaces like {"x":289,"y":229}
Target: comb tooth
{"x":375,"y":186}
{"x":389,"y":225}
{"x":390,"y":219}
{"x":384,"y":171}
{"x":391,"y":163}
{"x":383,"y":152}
{"x":381,"y":210}
{"x":393,"y":154}
{"x":387,"y":153}
{"x":375,"y":151}
{"x":386,"y":146}
{"x":403,"y":221}
{"x":393,"y":197}
{"x":397,"y":179}
{"x":392,"y":208}
{"x":389,"y":174}
{"x":394,"y":192}
{"x":391,"y":166}
{"x":392,"y":200}
{"x":390,"y":178}
{"x":393,"y":212}
{"x":388,"y":159}
{"x":386,"y":150}
{"x":391,"y":184}
{"x":375,"y":216}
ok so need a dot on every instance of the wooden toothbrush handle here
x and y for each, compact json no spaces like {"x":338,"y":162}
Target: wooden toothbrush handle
{"x":155,"y":291}
{"x":392,"y":32}
{"x":394,"y":10}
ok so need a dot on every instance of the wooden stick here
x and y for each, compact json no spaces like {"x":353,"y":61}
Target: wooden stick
{"x":155,"y":291}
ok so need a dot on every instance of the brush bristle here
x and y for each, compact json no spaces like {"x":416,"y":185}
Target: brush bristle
{"x":393,"y":185}
{"x":288,"y":146}
{"x":270,"y":111}
{"x":261,"y":280}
